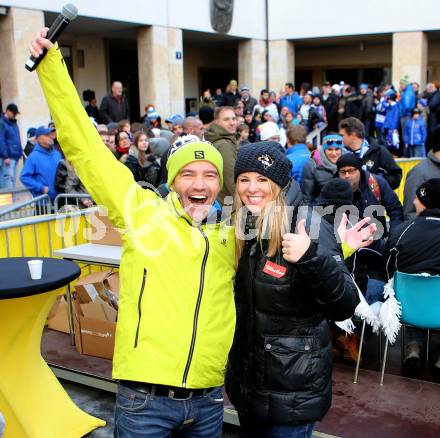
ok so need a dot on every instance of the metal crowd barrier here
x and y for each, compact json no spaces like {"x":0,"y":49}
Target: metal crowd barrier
{"x":314,"y":137}
{"x":15,"y":194}
{"x":70,"y":200}
{"x":33,"y":207}
{"x":39,"y":236}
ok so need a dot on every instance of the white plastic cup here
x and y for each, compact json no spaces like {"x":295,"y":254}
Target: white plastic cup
{"x":35,"y":268}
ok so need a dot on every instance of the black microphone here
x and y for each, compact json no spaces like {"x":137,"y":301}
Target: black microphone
{"x":68,"y":13}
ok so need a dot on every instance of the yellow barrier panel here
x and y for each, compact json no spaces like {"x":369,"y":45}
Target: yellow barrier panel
{"x":406,"y":164}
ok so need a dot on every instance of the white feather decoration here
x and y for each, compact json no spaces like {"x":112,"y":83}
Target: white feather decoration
{"x":390,"y":313}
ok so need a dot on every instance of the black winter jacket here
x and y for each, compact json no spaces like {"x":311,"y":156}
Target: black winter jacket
{"x":280,"y":364}
{"x":365,"y":200}
{"x":315,"y":176}
{"x":414,"y":246}
{"x":112,"y":110}
{"x":150,"y":173}
{"x":379,"y":160}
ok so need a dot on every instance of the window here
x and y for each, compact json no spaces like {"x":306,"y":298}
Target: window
{"x":66,"y":51}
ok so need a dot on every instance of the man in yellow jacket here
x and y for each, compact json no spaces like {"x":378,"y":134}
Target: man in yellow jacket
{"x":176,"y":311}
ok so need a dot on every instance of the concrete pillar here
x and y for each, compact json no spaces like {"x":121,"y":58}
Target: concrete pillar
{"x":252,"y":65}
{"x":281,"y":64}
{"x":410,"y":55}
{"x":18,"y":85}
{"x":161,"y":69}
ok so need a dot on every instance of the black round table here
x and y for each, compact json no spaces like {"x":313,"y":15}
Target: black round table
{"x":32,"y":400}
{"x":16,"y":281}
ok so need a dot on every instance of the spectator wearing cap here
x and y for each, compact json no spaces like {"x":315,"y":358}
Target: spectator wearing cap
{"x":10,"y":146}
{"x":175,"y":124}
{"x":374,"y":198}
{"x":38,"y":173}
{"x":269,"y":131}
{"x":282,"y":280}
{"x":222,"y":133}
{"x":414,"y":135}
{"x":377,"y":159}
{"x":114,"y":107}
{"x":30,"y":143}
{"x":370,"y":190}
{"x":291,"y":98}
{"x":153,"y":119}
{"x":321,"y":167}
{"x":428,"y":168}
{"x":232,"y":94}
{"x":297,"y":151}
{"x":252,"y":124}
{"x":367,"y":106}
{"x":413,"y":248}
{"x":249,"y":102}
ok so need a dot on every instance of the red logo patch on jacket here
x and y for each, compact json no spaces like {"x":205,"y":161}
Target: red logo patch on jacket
{"x":274,"y":270}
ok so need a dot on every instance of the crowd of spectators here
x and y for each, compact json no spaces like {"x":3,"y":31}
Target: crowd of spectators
{"x":361,"y":131}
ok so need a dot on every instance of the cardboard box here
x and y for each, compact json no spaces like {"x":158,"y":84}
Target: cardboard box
{"x":103,"y":284}
{"x":58,"y":316}
{"x":94,"y":327}
{"x":94,"y":316}
{"x":102,"y":230}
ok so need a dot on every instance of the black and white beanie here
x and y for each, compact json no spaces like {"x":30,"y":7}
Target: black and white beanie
{"x":266,"y":158}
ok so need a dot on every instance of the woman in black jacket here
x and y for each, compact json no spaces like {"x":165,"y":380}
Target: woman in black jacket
{"x":144,"y":166}
{"x":287,"y":285}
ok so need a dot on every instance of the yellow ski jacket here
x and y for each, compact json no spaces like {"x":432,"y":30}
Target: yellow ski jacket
{"x":176,"y":307}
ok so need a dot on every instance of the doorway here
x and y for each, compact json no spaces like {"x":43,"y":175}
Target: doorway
{"x":214,"y":78}
{"x":123,"y":66}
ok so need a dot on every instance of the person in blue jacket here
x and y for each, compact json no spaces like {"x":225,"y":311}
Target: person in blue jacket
{"x":38,"y":173}
{"x":392,"y":120}
{"x":297,"y":151}
{"x":10,"y":146}
{"x":291,"y":99}
{"x":414,"y":135}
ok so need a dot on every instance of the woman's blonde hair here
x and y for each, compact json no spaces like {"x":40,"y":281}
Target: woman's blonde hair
{"x":270,"y":225}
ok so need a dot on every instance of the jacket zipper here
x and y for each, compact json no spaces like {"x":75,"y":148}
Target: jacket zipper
{"x":144,"y":279}
{"x":197,"y":310}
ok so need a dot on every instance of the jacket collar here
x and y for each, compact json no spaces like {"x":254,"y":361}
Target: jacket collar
{"x":435,"y":212}
{"x":40,"y":148}
{"x":433,"y":158}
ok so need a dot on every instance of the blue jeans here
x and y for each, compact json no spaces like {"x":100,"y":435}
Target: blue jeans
{"x":416,"y":150}
{"x":141,"y":415}
{"x":251,"y":428}
{"x":8,"y":173}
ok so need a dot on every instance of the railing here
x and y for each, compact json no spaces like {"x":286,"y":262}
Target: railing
{"x":70,"y":200}
{"x":14,"y":194}
{"x":314,"y":137}
{"x":33,"y":207}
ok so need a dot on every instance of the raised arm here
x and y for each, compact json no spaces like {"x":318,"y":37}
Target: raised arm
{"x":108,"y":181}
